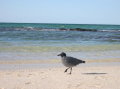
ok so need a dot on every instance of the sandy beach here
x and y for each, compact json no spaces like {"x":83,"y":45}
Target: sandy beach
{"x":28,"y":54}
{"x":83,"y":77}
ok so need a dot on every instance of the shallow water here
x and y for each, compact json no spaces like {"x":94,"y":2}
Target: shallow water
{"x":20,"y":41}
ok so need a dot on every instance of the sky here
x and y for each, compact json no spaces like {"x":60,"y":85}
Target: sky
{"x":61,"y":11}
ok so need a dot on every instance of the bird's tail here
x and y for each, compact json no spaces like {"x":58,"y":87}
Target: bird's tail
{"x":83,"y":61}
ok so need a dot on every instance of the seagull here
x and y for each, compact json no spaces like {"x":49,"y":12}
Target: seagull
{"x":69,"y":61}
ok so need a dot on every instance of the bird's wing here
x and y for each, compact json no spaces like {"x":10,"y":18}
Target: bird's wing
{"x":73,"y":60}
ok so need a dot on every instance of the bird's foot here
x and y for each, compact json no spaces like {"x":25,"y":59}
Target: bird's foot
{"x":65,"y":71}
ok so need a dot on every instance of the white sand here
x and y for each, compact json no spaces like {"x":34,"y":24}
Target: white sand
{"x":102,"y":77}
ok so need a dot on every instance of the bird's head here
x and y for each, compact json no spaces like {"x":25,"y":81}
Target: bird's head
{"x":62,"y":54}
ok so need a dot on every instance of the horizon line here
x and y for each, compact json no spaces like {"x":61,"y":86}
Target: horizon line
{"x":60,"y":23}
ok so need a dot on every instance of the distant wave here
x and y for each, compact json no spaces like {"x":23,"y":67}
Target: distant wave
{"x":19,"y":28}
{"x":60,"y":29}
{"x":93,"y":30}
{"x":109,"y":30}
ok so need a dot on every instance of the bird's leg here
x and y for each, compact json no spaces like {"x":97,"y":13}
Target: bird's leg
{"x":70,"y":70}
{"x":66,"y":69}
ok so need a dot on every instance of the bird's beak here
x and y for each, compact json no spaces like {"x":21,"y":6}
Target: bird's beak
{"x":58,"y":54}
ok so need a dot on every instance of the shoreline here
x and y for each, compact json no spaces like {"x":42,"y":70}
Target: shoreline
{"x":22,"y":66}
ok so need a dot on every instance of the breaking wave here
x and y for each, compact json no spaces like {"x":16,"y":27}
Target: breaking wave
{"x":58,"y":29}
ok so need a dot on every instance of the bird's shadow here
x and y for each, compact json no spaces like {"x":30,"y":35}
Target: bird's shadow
{"x":94,"y":73}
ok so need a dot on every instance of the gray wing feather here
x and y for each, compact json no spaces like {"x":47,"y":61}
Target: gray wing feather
{"x":73,"y":61}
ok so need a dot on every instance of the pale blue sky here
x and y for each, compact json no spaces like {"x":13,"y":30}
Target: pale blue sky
{"x":61,"y":11}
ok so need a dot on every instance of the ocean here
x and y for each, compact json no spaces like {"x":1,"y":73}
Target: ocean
{"x":43,"y":41}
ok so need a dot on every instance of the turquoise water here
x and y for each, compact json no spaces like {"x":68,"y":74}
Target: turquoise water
{"x":57,"y":26}
{"x":44,"y":41}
